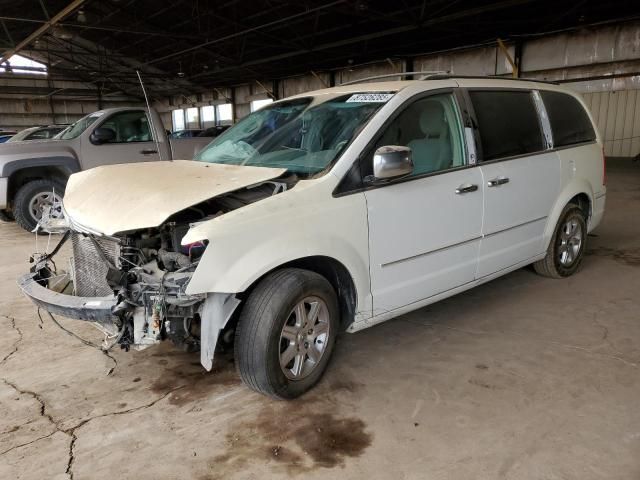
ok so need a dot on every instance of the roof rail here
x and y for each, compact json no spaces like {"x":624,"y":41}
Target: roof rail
{"x":494,"y":77}
{"x":442,"y":75}
{"x":426,"y":74}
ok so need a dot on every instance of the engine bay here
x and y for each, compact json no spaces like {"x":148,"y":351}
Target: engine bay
{"x":147,"y":272}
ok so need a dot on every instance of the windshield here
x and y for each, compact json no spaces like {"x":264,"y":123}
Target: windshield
{"x":74,"y":130}
{"x":291,"y":135}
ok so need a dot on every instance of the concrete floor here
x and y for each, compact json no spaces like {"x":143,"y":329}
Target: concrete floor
{"x":522,"y":378}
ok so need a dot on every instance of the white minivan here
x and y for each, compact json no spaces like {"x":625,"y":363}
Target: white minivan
{"x":328,"y":211}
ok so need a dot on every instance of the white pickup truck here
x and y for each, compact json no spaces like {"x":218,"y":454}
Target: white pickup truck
{"x":33,"y":175}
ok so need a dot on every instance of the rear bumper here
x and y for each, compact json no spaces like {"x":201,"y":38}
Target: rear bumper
{"x":597,"y":211}
{"x":93,"y":309}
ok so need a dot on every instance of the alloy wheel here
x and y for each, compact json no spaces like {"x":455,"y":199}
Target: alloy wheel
{"x":42,"y":200}
{"x":304,"y":338}
{"x":570,"y":242}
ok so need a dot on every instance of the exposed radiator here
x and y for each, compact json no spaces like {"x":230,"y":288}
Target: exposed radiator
{"x":89,"y":268}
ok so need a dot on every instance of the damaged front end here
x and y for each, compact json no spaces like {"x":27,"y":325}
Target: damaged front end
{"x":132,"y":286}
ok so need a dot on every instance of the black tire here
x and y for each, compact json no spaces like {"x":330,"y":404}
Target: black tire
{"x":6,"y":216}
{"x":551,"y":266}
{"x":258,"y":341}
{"x":21,"y":212}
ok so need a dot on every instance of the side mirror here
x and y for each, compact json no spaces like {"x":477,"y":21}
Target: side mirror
{"x":102,"y":135}
{"x":392,"y":161}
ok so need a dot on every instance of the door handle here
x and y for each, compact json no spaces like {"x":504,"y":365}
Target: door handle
{"x":496,"y":182}
{"x":148,"y":152}
{"x":466,"y":188}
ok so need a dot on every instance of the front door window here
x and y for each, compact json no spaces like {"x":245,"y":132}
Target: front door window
{"x":430,"y":127}
{"x":129,"y":126}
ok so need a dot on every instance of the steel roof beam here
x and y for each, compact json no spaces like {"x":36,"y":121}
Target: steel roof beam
{"x":61,"y":15}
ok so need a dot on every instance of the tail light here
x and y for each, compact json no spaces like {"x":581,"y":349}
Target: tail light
{"x":604,"y":168}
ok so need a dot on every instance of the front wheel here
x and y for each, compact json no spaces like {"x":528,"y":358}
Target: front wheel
{"x":567,"y":245}
{"x":286,"y":333}
{"x":33,"y":198}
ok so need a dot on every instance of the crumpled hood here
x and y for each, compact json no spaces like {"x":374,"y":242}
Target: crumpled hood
{"x":117,"y":198}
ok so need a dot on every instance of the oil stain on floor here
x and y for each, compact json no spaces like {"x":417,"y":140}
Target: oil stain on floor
{"x":628,"y":257}
{"x":316,"y":436}
{"x":192,"y":382}
{"x":295,"y":444}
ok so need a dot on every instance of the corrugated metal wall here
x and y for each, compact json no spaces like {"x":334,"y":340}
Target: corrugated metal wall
{"x":617,"y":115}
{"x":601,"y":62}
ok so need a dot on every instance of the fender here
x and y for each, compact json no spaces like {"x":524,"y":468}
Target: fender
{"x":57,"y":153}
{"x":305,"y":221}
{"x":573,"y":188}
{"x":69,"y":165}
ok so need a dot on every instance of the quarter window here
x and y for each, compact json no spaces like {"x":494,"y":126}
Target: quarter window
{"x":570,"y":124}
{"x":430,"y":127}
{"x":508,"y":123}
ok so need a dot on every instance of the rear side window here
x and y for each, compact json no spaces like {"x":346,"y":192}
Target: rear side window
{"x":508,"y":123}
{"x":570,"y":124}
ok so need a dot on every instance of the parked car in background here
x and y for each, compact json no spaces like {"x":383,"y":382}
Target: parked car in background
{"x":6,"y":135}
{"x":37,"y":133}
{"x":331,"y":210}
{"x":196,"y":132}
{"x":187,"y":133}
{"x":214,"y":131}
{"x":33,"y":175}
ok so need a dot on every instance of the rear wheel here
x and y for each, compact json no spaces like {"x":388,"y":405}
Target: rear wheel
{"x":35,"y":196}
{"x":286,"y":333}
{"x":567,"y":245}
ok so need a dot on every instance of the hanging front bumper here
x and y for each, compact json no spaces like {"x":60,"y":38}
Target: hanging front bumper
{"x":93,"y":309}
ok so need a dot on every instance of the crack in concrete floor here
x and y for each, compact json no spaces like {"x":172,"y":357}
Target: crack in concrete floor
{"x":71,"y":432}
{"x":16,"y":343}
{"x":600,"y":423}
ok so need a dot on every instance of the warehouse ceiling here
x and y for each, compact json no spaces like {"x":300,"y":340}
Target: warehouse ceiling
{"x":189,"y":46}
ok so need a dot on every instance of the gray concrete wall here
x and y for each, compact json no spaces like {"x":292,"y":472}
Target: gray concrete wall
{"x":485,"y":60}
{"x":596,"y":61}
{"x":602,"y":62}
{"x":354,"y":73}
{"x":24,"y":101}
{"x":303,"y":83}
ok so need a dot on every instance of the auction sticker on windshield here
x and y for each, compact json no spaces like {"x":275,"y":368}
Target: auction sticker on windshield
{"x":370,"y":97}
